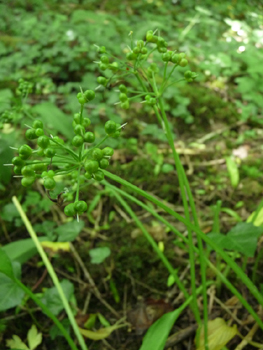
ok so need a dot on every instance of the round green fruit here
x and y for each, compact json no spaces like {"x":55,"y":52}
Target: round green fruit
{"x":69,"y":209}
{"x":28,"y":181}
{"x":80,"y":207}
{"x":49,"y":183}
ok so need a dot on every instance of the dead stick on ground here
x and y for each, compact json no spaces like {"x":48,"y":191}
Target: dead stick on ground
{"x":179,"y":336}
{"x":87,"y":275}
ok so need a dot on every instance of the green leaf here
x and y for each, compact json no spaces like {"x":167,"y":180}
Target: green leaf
{"x":16,"y":343}
{"x":52,"y":299}
{"x":98,"y":255}
{"x":157,"y":334}
{"x":242,"y":238}
{"x":6,"y":155}
{"x":33,"y":337}
{"x":11,"y":294}
{"x":22,"y":250}
{"x":232,"y":171}
{"x":5,"y":265}
{"x":69,"y":231}
{"x":219,"y":334}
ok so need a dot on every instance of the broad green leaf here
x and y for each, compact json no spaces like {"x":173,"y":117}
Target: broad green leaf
{"x":52,"y":299}
{"x":11,"y":294}
{"x":242,"y":238}
{"x":232,"y":171}
{"x":5,"y":265}
{"x":21,"y":250}
{"x":157,"y":334}
{"x":6,"y":155}
{"x":69,"y":231}
{"x":16,"y":343}
{"x":219,"y":334}
{"x":33,"y":337}
{"x":98,"y":255}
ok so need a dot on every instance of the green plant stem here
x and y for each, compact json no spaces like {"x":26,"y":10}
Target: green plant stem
{"x":184,"y":184}
{"x":152,"y":242}
{"x":48,"y":313}
{"x":154,"y":107}
{"x":96,"y":146}
{"x":184,"y":239}
{"x":77,"y":192}
{"x":255,"y":267}
{"x":165,"y":69}
{"x":180,"y":173}
{"x":51,"y":273}
{"x":174,"y":82}
{"x":254,"y":291}
{"x":257,"y":211}
{"x":74,"y":155}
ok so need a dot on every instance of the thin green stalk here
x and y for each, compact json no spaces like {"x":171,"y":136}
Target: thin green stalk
{"x":165,"y":69}
{"x":152,"y":242}
{"x":186,"y":209}
{"x":255,"y":267}
{"x":74,"y":155}
{"x":77,"y":193}
{"x":216,"y":229}
{"x":51,"y":273}
{"x":254,"y":291}
{"x":184,"y":239}
{"x":48,"y":313}
{"x":185,"y":184}
{"x":96,"y":146}
{"x":257,"y":211}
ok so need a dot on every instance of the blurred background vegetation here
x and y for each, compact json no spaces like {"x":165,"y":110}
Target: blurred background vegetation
{"x":51,"y":44}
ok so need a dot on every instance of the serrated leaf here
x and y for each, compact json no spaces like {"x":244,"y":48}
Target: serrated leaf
{"x":232,"y":171}
{"x":16,"y":343}
{"x":98,"y":255}
{"x":11,"y":294}
{"x":219,"y":334}
{"x":33,"y":337}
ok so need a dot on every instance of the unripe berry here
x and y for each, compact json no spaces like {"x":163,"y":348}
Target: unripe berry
{"x":77,"y":141}
{"x":123,"y":88}
{"x":31,"y":134}
{"x":104,"y":59}
{"x":43,"y":141}
{"x":97,"y":154}
{"x":49,"y":152}
{"x":110,"y":127}
{"x":89,"y":137}
{"x":89,"y":95}
{"x":80,"y":207}
{"x":37,"y":124}
{"x":123,"y":97}
{"x":49,"y":183}
{"x":69,"y":210}
{"x":183,"y":62}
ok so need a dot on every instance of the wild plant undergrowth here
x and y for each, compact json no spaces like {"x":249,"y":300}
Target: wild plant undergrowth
{"x":84,"y":161}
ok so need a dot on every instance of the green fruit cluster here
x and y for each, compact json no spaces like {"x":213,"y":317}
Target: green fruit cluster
{"x":24,"y":88}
